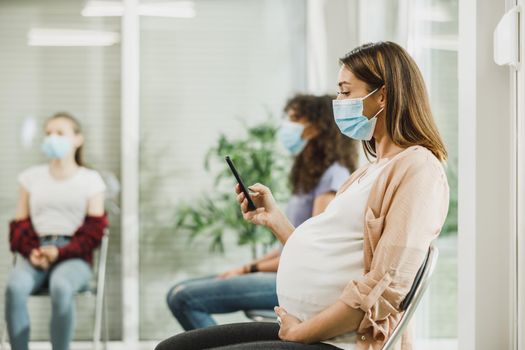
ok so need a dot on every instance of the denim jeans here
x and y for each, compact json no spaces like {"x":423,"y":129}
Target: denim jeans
{"x":64,"y":280}
{"x":192,"y":302}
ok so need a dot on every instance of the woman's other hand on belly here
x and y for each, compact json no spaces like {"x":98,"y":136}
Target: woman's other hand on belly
{"x":290,"y":326}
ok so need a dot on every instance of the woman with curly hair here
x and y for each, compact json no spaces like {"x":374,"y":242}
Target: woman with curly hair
{"x":323,"y":160}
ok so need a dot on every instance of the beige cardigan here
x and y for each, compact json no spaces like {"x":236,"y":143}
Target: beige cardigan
{"x":406,"y":209}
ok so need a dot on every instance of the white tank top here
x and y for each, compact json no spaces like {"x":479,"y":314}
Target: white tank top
{"x":325,"y":253}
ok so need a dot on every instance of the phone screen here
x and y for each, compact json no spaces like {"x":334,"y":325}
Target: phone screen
{"x":244,"y":189}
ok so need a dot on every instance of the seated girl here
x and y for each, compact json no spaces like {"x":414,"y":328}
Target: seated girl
{"x":59,"y":221}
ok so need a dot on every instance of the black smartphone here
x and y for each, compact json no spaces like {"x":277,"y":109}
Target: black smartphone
{"x":251,"y":205}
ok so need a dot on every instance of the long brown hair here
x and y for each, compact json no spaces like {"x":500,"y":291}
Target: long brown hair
{"x":328,"y":147}
{"x":77,"y":129}
{"x":409,"y":119}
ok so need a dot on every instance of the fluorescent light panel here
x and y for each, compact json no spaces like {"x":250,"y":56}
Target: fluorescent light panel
{"x":174,"y":9}
{"x":94,"y":8}
{"x":71,"y":37}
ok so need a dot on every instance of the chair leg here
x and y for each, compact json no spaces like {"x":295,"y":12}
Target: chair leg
{"x":4,"y":336}
{"x":106,"y":323}
{"x":101,"y":289}
{"x":97,"y":328}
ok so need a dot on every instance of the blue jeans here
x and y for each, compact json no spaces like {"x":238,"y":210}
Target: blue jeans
{"x":192,"y":302}
{"x":64,"y":280}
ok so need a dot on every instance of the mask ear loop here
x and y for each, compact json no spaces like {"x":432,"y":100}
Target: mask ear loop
{"x":380,"y":110}
{"x":369,"y":94}
{"x":304,"y":129}
{"x":373,"y":91}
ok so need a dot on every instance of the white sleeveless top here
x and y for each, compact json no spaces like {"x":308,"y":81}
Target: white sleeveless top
{"x":325,"y":253}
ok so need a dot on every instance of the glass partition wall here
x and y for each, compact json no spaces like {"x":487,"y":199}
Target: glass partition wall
{"x":234,"y":63}
{"x":221,"y":66}
{"x":38,"y":80}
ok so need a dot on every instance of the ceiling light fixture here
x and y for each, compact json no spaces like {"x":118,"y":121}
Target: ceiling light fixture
{"x":173,"y":9}
{"x":71,"y":37}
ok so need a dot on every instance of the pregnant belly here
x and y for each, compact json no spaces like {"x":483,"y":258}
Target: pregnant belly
{"x":311,"y":277}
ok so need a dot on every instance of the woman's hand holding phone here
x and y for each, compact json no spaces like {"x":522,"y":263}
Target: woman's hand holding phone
{"x":263,"y":200}
{"x":267,"y":213}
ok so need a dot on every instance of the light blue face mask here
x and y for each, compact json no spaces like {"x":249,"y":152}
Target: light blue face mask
{"x":349,"y":118}
{"x":290,"y":135}
{"x":56,"y":147}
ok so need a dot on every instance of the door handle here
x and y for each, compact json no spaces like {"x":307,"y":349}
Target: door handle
{"x":506,"y":39}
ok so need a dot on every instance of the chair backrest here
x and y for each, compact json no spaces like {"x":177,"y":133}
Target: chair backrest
{"x":414,"y":296}
{"x":99,"y":272}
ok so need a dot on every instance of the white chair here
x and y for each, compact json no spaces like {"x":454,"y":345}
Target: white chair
{"x":414,"y":296}
{"x":97,"y":289}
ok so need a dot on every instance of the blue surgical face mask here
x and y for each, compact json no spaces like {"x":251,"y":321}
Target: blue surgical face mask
{"x":56,"y":146}
{"x":349,"y":118}
{"x":290,"y":134}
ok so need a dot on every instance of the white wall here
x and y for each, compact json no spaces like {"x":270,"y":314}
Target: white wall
{"x":332,"y":31}
{"x":485,"y":179}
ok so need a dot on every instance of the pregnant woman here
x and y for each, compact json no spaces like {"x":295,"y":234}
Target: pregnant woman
{"x":323,"y":160}
{"x":344,"y":273}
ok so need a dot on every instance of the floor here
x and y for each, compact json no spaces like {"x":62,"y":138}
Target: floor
{"x":435,"y":344}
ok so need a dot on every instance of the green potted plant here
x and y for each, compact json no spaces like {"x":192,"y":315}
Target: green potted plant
{"x":258,"y":158}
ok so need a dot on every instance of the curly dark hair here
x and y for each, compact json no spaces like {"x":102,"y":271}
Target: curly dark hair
{"x":328,"y":147}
